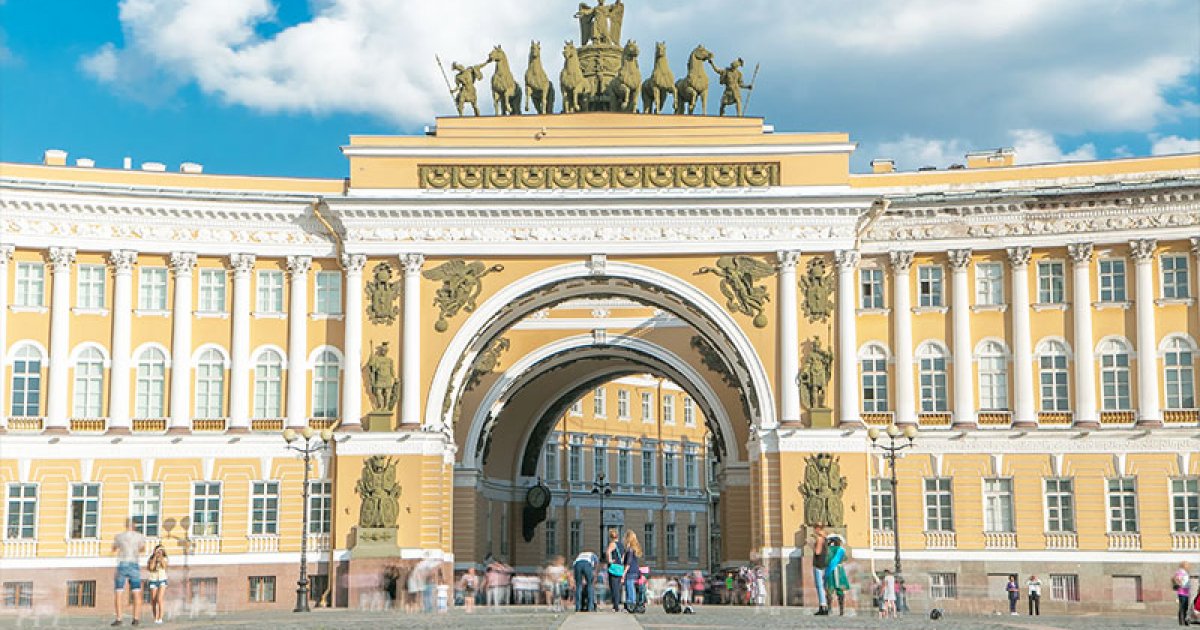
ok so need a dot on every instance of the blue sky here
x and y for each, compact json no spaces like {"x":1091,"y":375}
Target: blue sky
{"x":274,"y":87}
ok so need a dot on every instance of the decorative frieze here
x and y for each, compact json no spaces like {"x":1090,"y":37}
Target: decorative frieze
{"x":598,"y":176}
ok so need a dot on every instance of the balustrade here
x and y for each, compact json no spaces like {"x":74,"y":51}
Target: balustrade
{"x":270,"y":425}
{"x":320,"y":424}
{"x":26,"y":424}
{"x":149,"y":425}
{"x":934,"y":419}
{"x":1185,"y":541}
{"x":1124,"y":541}
{"x":83,"y":547}
{"x":878,"y":419}
{"x":995,"y":419}
{"x":1176,"y":417}
{"x":208,"y":425}
{"x":1062,"y":540}
{"x":941,"y":540}
{"x":20,"y":547}
{"x":89,"y":425}
{"x":1110,"y":418}
{"x":264,"y":544}
{"x":318,"y":542}
{"x":883,"y":539}
{"x":1055,"y":418}
{"x":207,"y":545}
{"x":1000,"y":540}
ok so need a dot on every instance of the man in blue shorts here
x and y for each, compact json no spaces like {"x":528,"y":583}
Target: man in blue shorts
{"x":128,"y":546}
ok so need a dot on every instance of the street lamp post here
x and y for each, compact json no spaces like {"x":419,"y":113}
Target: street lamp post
{"x":310,"y":443}
{"x":890,"y":451}
{"x":603,"y":489}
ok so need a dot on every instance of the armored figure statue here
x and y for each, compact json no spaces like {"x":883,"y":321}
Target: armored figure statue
{"x":382,"y":385}
{"x":465,"y":79}
{"x":731,"y":78}
{"x":822,"y":489}
{"x":814,"y":375}
{"x":380,"y":493}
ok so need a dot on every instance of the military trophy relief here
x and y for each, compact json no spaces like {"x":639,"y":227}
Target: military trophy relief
{"x":461,"y":286}
{"x":740,"y":277}
{"x":383,"y":294}
{"x":823,"y":489}
{"x":375,"y":535}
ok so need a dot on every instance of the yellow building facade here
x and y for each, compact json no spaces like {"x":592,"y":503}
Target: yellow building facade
{"x":1038,"y":324}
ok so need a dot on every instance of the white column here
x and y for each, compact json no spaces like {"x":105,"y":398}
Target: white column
{"x":6,"y":253}
{"x":847,"y":343}
{"x":789,"y":339}
{"x":1085,"y":363}
{"x":122,"y":262}
{"x":57,"y":392}
{"x":410,"y":384}
{"x":960,"y":295}
{"x":352,"y":266}
{"x":1196,"y":277}
{"x":182,"y":266}
{"x":297,"y":380}
{"x":906,"y":408}
{"x":1022,"y":339}
{"x":1149,"y":409}
{"x":239,"y":364}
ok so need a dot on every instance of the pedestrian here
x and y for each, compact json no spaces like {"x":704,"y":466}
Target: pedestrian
{"x":415,"y":586}
{"x":819,"y":563}
{"x":1014,"y":594}
{"x":699,"y":586}
{"x":1181,"y":583}
{"x":613,"y":555}
{"x":584,"y":569}
{"x":889,"y":594}
{"x":469,"y":583}
{"x":728,"y":597}
{"x":499,"y":578}
{"x":553,"y":583}
{"x":128,"y":546}
{"x":633,"y":551}
{"x":685,"y":588}
{"x":157,"y":566}
{"x":836,"y":580}
{"x":1034,"y":586}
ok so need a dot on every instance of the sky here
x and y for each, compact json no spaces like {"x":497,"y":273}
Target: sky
{"x":274,"y":87}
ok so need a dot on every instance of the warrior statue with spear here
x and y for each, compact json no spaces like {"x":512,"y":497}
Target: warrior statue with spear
{"x":465,"y":79}
{"x":731,"y":78}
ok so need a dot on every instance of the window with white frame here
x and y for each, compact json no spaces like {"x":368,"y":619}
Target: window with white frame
{"x":993,"y":378}
{"x":268,"y":385}
{"x":997,"y":504}
{"x":1060,"y":505}
{"x":882,"y":509}
{"x":1112,"y":280}
{"x":270,"y":292}
{"x":624,"y":472}
{"x":1185,"y":505}
{"x":668,"y":409}
{"x":647,"y":407}
{"x":1175,"y":282}
{"x":874,"y":380}
{"x":89,"y":384}
{"x":689,"y":411}
{"x":939,"y":505}
{"x":551,"y":538}
{"x":206,"y":508}
{"x":550,"y":459}
{"x":693,"y":543}
{"x":21,"y":513}
{"x":600,"y":460}
{"x":1051,"y":282}
{"x":1114,"y":376}
{"x":1064,"y":588}
{"x":575,"y":461}
{"x":1053,"y":376}
{"x":932,"y":369}
{"x":89,"y":287}
{"x":648,"y":540}
{"x":212,"y":291}
{"x":210,"y":385}
{"x":262,"y":589}
{"x":1178,"y":375}
{"x":146,"y":507}
{"x":689,"y":469}
{"x":943,"y":585}
{"x":623,"y":404}
{"x":989,"y":284}
{"x":600,"y":402}
{"x":329,"y":293}
{"x":577,"y":408}
{"x":264,"y":508}
{"x":672,"y":543}
{"x":151,"y":384}
{"x":26,"y":382}
{"x":670,"y":468}
{"x":871,"y":282}
{"x":325,"y":385}
{"x":575,"y":538}
{"x":31,"y":285}
{"x":1122,"y":505}
{"x":152,"y":288}
{"x":929,"y":286}
{"x":84,"y":511}
{"x":648,"y":477}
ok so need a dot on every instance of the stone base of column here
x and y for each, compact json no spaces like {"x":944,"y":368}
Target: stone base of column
{"x":119,"y":431}
{"x":793,"y":424}
{"x":1149,"y":424}
{"x":179,"y":430}
{"x":1086,"y":424}
{"x":411,"y":428}
{"x":238,"y":430}
{"x":963,"y":426}
{"x":56,"y":431}
{"x":350,"y":428}
{"x":851,"y":424}
{"x":1024,"y":424}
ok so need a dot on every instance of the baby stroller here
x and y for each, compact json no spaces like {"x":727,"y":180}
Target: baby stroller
{"x":643,"y":577}
{"x":1193,"y":618}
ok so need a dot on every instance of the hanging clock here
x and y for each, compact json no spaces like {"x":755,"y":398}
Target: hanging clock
{"x":538,"y":497}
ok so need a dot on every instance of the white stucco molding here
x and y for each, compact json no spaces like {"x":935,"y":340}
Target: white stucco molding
{"x":1007,"y":442}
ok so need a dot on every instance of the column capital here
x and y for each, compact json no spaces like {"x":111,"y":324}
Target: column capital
{"x":846,"y":259}
{"x":901,"y":261}
{"x":1142,"y":250}
{"x":1080,"y":253}
{"x":1196,"y":245}
{"x":353,"y":263}
{"x":960,"y":259}
{"x":61,"y":258}
{"x":297,"y":266}
{"x":182,"y":263}
{"x":122,"y":261}
{"x":412,"y":263}
{"x":242,"y":264}
{"x":788,"y":259}
{"x":1018,"y":257}
{"x":6,"y":253}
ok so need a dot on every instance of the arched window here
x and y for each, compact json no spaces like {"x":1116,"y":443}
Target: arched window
{"x":26,"y":382}
{"x":151,"y":383}
{"x":993,"y":378}
{"x":1114,"y":376}
{"x":210,"y":385}
{"x":932,"y":362}
{"x":325,"y":385}
{"x":89,"y":383}
{"x":268,"y":379}
{"x":1053,"y":374}
{"x":1178,"y":375}
{"x":873,"y":362}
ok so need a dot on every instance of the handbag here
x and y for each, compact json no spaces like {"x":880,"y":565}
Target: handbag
{"x":616,"y":569}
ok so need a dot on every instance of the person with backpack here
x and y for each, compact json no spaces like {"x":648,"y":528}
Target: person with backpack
{"x":613,"y":554}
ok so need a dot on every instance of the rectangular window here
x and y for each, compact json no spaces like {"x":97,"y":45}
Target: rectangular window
{"x":1185,"y":505}
{"x":577,"y":408}
{"x":1051,"y":282}
{"x":1112,"y":280}
{"x":689,"y":411}
{"x":648,"y":478}
{"x":1179,"y":377}
{"x":89,"y":385}
{"x":929,"y":286}
{"x":31,"y":284}
{"x":1122,"y":505}
{"x":669,"y":409}
{"x":206,"y":508}
{"x":18,"y":594}
{"x":689,"y":470}
{"x":882,"y":512}
{"x":998,"y":505}
{"x":550,"y":471}
{"x":270,"y":292}
{"x":575,"y":538}
{"x":262,"y":589}
{"x":647,"y":408}
{"x":81,"y":593}
{"x":551,"y":538}
{"x":212,"y":291}
{"x":600,"y":460}
{"x":871,"y":281}
{"x":1127,"y":589}
{"x":1060,"y":505}
{"x":85,"y":511}
{"x":623,"y":404}
{"x":268,"y":388}
{"x":1053,"y":376}
{"x":325,"y":385}
{"x":933,"y":385}
{"x":575,"y":462}
{"x":21,"y":515}
{"x":993,"y":383}
{"x":599,"y":402}
{"x":693,"y":543}
{"x":89,"y":287}
{"x":623,"y":467}
{"x":152,"y":288}
{"x":1175,"y":282}
{"x":1114,"y":381}
{"x":939,"y":510}
{"x":329,"y":293}
{"x":874,"y":383}
{"x":648,"y":540}
{"x":26,"y":383}
{"x":943,"y":586}
{"x":669,"y":470}
{"x":1064,"y":588}
{"x":203,"y":589}
{"x":320,"y":507}
{"x":672,"y":543}
{"x":145,"y":508}
{"x":989,"y":284}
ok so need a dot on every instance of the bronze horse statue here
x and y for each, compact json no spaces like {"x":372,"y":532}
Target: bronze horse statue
{"x":506,"y":93}
{"x":538,"y":87}
{"x":577,"y":90}
{"x":659,"y":84}
{"x":624,"y":87}
{"x":695,"y":85}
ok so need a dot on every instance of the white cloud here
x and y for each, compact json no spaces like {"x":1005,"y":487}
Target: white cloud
{"x":1170,"y":145}
{"x":102,"y":64}
{"x":912,"y":153}
{"x":1034,"y":146}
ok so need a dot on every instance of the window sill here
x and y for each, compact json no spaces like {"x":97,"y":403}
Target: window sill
{"x":316,"y":317}
{"x":259,"y":315}
{"x":28,"y":309}
{"x":103,"y":312}
{"x":1050,"y":306}
{"x":1175,"y":301}
{"x":919,"y":310}
{"x":145,"y":312}
{"x":989,"y":308}
{"x":210,"y":314}
{"x":873,"y":311}
{"x":1100,"y":306}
